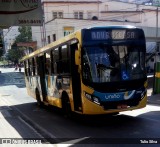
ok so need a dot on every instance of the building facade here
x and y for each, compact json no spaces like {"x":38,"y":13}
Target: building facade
{"x":9,"y":36}
{"x":62,"y":17}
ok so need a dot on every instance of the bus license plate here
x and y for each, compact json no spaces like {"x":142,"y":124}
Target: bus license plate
{"x":123,"y":106}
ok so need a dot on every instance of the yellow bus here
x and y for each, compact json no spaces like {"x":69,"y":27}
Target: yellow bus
{"x":96,"y":70}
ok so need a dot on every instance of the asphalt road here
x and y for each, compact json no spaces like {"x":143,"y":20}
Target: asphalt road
{"x":140,"y":127}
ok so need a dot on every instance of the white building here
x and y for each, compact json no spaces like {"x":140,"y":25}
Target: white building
{"x":65,"y":16}
{"x":9,"y":36}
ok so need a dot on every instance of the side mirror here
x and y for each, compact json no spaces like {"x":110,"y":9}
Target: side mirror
{"x":77,"y":57}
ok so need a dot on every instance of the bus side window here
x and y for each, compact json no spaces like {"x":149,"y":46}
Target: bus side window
{"x":36,"y":66}
{"x":65,"y":68}
{"x":30,"y":67}
{"x":55,"y":54}
{"x":48,"y":63}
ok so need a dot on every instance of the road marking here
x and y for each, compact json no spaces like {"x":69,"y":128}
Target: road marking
{"x":71,"y":142}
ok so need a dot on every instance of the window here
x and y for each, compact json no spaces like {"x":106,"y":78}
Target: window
{"x":65,"y":59}
{"x":54,"y":37}
{"x":28,"y":68}
{"x":57,"y":15}
{"x":78,"y":15}
{"x":47,"y":63}
{"x":68,"y":30}
{"x":60,"y":59}
{"x":60,"y":14}
{"x":89,"y":15}
{"x":54,"y":15}
{"x":36,"y":65}
{"x":49,"y":39}
{"x":113,"y":63}
{"x":55,"y":58}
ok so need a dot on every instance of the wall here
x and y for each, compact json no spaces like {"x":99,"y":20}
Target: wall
{"x":108,"y":13}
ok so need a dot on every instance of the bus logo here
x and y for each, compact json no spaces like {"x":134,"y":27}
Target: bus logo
{"x":126,"y":96}
{"x":112,"y":96}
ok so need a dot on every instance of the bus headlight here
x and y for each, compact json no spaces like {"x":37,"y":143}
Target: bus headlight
{"x":92,"y":98}
{"x":96,"y":100}
{"x":88,"y":96}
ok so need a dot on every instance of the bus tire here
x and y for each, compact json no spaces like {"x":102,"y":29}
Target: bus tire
{"x":38,"y":98}
{"x":66,"y":106}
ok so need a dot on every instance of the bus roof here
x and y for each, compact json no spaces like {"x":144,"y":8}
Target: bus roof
{"x":113,"y":27}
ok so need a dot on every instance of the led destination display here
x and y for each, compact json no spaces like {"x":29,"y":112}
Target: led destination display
{"x":115,"y":34}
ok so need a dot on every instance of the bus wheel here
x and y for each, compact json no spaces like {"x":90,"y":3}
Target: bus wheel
{"x":66,"y":107}
{"x":39,"y":102}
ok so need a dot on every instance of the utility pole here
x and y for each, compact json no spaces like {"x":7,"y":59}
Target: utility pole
{"x":157,"y":43}
{"x":156,"y":52}
{"x":157,"y":23}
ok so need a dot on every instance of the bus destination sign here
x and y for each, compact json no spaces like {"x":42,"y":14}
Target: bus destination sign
{"x":114,"y":34}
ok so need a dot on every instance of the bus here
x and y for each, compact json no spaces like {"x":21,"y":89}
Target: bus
{"x":96,"y":70}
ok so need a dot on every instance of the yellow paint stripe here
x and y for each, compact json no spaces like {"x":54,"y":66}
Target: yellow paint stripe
{"x":157,"y":75}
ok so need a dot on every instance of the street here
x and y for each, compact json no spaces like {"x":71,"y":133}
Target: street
{"x":20,"y":117}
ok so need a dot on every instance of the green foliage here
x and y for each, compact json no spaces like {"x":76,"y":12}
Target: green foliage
{"x":25,"y":34}
{"x":15,"y":53}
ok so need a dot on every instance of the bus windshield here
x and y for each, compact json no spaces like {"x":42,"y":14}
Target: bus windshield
{"x":113,"y":63}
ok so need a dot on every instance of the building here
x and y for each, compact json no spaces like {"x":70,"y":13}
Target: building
{"x":62,"y":17}
{"x":9,"y":36}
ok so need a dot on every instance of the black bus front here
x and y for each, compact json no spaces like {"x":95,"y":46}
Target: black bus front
{"x":113,"y":69}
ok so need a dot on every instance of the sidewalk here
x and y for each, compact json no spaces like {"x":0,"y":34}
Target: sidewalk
{"x":153,"y":99}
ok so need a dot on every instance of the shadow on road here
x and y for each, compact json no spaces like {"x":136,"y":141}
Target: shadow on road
{"x":12,"y":78}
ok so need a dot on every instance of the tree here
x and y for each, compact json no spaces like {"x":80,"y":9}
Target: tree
{"x":15,"y":53}
{"x":25,"y":34}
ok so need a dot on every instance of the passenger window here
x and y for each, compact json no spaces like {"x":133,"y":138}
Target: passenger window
{"x":55,"y":54}
{"x":60,"y":60}
{"x":65,"y":59}
{"x":48,"y":63}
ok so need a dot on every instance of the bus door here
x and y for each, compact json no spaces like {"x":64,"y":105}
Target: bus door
{"x":76,"y":82}
{"x":41,"y":69}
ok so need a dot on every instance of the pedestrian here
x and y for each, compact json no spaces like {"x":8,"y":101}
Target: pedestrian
{"x":16,"y":67}
{"x":19,"y":67}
